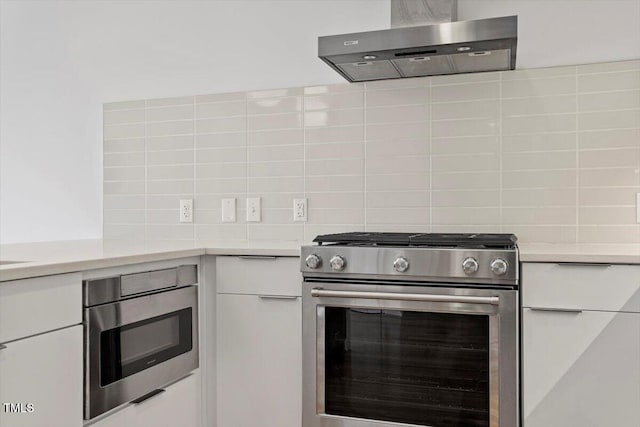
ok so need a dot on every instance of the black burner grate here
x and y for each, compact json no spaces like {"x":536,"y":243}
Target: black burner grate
{"x":457,"y":240}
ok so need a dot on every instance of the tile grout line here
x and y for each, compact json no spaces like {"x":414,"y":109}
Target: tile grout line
{"x":500,"y":156}
{"x":577,"y":158}
{"x":364,"y":153}
{"x":430,"y":175}
{"x":304,"y":165}
{"x":146,"y":173}
{"x":195,"y":165}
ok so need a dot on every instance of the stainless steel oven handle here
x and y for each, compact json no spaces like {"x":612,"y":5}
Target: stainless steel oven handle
{"x":463,"y":299}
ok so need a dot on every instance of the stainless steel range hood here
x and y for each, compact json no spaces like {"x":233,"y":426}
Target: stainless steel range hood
{"x":425,"y":50}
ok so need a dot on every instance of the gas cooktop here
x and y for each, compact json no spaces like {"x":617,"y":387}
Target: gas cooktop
{"x":436,"y":240}
{"x":448,"y":257}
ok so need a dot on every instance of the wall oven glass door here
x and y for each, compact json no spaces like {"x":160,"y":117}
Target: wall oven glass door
{"x":137,"y":345}
{"x":385,"y":361}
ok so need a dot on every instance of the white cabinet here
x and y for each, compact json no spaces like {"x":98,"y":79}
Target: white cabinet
{"x":46,"y":372}
{"x":177,"y":406}
{"x":581,"y":356}
{"x":259,"y":346}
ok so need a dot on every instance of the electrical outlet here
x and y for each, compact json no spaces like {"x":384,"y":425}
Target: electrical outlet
{"x":228,"y":210}
{"x":638,"y":208}
{"x":300,"y":210}
{"x":253,"y":209}
{"x":186,"y":210}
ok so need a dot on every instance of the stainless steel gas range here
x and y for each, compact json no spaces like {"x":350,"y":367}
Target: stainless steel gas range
{"x":410,"y":329}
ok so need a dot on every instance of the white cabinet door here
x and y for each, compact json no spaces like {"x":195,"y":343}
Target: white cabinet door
{"x":259,"y":361}
{"x":44,"y":371}
{"x":177,"y":406}
{"x":581,"y":369}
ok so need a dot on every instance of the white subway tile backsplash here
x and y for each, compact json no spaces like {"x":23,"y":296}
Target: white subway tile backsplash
{"x":397,"y":114}
{"x":163,"y":102}
{"x":134,"y":173}
{"x":465,"y":92}
{"x":123,"y":145}
{"x":178,"y":157}
{"x":538,"y":87}
{"x":622,"y":157}
{"x":221,"y":109}
{"x":161,"y":114}
{"x":221,"y":124}
{"x":539,"y":73}
{"x":274,"y":121}
{"x":170,"y":187}
{"x":385,"y":98}
{"x":464,"y":127}
{"x":136,"y":130}
{"x":169,"y":172}
{"x":118,"y":117}
{"x":609,"y":120}
{"x":123,"y":159}
{"x":180,"y":127}
{"x":273,"y":154}
{"x":539,"y":105}
{"x":274,"y":105}
{"x":124,"y":202}
{"x":221,"y":140}
{"x":334,"y":101}
{"x":601,"y":101}
{"x":482,"y":109}
{"x":334,"y":118}
{"x":605,"y":67}
{"x":609,"y":81}
{"x":550,"y":154}
{"x":125,"y":105}
{"x":173,"y":142}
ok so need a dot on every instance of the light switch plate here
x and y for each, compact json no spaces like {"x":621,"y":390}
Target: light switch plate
{"x":253,"y":209}
{"x":228,"y":210}
{"x":299,"y":210}
{"x":186,"y":210}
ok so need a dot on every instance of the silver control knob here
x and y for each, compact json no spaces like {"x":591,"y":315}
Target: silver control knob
{"x":499,"y":266}
{"x":401,"y":264}
{"x":313,"y":261}
{"x":469,"y":266}
{"x":337,"y":263}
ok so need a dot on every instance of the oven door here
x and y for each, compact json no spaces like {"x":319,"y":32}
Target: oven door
{"x":389,"y":355}
{"x":137,"y":345}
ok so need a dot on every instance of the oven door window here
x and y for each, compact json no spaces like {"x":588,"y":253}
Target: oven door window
{"x":407,"y":366}
{"x":134,"y":347}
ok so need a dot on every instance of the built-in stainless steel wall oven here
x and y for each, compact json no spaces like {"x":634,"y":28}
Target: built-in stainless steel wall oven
{"x":141,"y":333}
{"x":407,"y":330}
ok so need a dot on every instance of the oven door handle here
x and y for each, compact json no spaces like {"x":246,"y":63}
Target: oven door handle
{"x":463,"y":299}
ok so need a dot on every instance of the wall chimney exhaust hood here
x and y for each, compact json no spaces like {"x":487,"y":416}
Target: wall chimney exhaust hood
{"x":424,"y":50}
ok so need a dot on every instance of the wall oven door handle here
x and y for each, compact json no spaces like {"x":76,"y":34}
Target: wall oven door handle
{"x":463,"y":299}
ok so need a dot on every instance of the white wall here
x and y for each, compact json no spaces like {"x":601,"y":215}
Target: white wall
{"x":61,"y":60}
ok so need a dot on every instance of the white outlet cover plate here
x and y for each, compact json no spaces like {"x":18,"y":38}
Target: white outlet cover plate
{"x":186,"y":210}
{"x":253,"y":209}
{"x":228,"y":210}
{"x":299,"y":210}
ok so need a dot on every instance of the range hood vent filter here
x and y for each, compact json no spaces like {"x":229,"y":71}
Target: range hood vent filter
{"x":426,"y":50}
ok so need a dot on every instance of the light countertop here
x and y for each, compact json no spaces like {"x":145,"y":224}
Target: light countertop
{"x":47,"y":258}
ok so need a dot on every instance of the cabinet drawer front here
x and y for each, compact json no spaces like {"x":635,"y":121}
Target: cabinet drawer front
{"x":41,"y":304}
{"x":581,"y":369}
{"x":580,"y":286}
{"x":258,"y":275}
{"x":46,"y":372}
